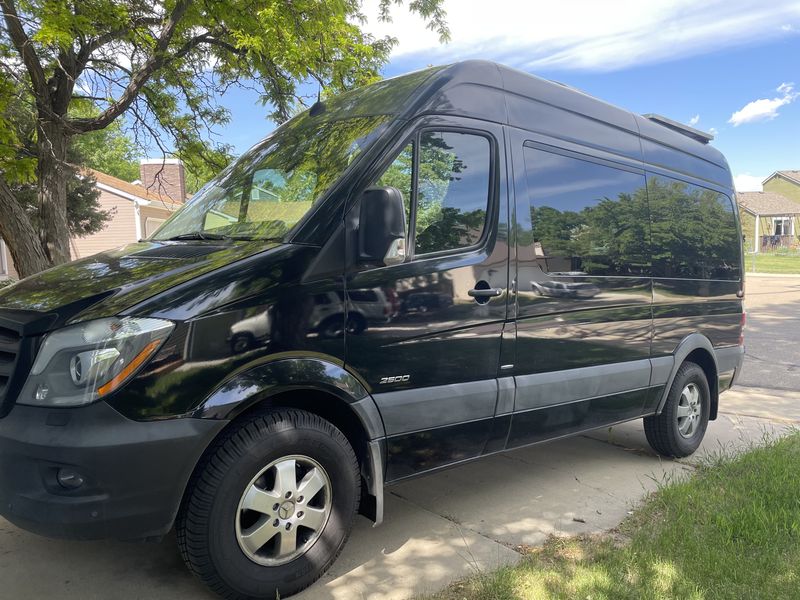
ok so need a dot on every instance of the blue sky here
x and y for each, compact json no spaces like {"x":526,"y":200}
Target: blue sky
{"x":679,"y":58}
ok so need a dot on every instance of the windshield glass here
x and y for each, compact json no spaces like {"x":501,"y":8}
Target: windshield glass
{"x":273,"y":185}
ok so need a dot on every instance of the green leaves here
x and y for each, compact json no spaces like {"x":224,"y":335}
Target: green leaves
{"x":81,"y":65}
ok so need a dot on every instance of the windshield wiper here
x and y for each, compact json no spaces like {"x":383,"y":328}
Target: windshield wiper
{"x":198,"y":235}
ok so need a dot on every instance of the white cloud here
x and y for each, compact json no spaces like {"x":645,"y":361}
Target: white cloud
{"x":713,"y":131}
{"x":748,"y":183}
{"x":694,"y":120}
{"x":765,"y":109}
{"x":586,"y":34}
{"x":788,"y":27}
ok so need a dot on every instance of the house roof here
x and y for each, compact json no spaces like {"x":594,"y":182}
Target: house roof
{"x":767,"y":204}
{"x":128,"y":188}
{"x":793,"y":176}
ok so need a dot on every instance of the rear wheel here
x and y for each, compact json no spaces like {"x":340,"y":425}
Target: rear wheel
{"x":681,"y":426}
{"x":271,"y":506}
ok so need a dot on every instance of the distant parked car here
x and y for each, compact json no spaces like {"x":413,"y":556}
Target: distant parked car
{"x":248,"y":333}
{"x":563,"y":289}
{"x":423,"y":302}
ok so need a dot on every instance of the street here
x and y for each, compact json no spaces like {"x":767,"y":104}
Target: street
{"x":451,"y":524}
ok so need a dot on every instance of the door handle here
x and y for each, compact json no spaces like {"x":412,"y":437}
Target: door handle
{"x":485,"y":293}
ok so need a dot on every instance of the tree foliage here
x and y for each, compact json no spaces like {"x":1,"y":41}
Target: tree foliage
{"x":166,"y":66}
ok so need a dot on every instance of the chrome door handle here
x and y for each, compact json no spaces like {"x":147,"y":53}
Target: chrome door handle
{"x":485,"y":293}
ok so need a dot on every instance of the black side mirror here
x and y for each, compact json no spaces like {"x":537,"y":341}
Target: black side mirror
{"x":382,"y":227}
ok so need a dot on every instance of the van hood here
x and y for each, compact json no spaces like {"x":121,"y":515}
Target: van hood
{"x":113,"y":281}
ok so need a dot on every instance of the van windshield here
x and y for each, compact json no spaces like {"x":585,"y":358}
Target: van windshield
{"x":266,"y":192}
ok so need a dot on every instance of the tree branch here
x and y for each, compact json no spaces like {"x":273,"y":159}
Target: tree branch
{"x":156,"y":60}
{"x":26,"y":50}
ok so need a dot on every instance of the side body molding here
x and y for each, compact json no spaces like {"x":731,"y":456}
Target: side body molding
{"x":258,"y":383}
{"x":688,"y":345}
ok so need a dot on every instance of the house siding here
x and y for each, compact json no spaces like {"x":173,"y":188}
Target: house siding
{"x":784,"y":187}
{"x":119,"y":230}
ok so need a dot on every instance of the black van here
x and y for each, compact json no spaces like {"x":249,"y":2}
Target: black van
{"x":427,"y":270}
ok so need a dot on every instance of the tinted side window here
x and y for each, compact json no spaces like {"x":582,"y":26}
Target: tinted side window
{"x":694,"y":231}
{"x":400,"y":175}
{"x":453,"y":191}
{"x":587,"y":218}
{"x":363,"y":296}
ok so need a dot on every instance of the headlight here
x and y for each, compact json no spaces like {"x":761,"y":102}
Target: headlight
{"x":82,"y":363}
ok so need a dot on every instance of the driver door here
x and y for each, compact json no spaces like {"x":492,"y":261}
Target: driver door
{"x":431,"y":358}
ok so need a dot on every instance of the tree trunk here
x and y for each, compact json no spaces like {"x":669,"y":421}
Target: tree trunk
{"x":20,"y":236}
{"x":52,"y":174}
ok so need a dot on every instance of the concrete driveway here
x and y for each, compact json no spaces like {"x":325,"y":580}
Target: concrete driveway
{"x":448,"y":525}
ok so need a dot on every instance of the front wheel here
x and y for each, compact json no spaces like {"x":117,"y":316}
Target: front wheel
{"x":271,"y":506}
{"x":679,"y":429}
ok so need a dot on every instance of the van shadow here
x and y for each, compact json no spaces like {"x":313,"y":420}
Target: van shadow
{"x":438,"y":528}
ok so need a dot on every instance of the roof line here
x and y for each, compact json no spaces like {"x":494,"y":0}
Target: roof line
{"x":781,"y":174}
{"x":126,"y":195}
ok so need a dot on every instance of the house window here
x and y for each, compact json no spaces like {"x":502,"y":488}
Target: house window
{"x":3,"y":259}
{"x":151,"y":225}
{"x":783,"y":226}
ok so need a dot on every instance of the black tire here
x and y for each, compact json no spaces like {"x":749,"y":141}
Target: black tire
{"x":332,"y":327}
{"x":206,"y":522}
{"x":663,"y":432}
{"x":242,"y":342}
{"x":356,"y":324}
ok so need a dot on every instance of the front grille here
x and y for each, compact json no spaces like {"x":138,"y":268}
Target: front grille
{"x":10,"y":342}
{"x":20,"y":334}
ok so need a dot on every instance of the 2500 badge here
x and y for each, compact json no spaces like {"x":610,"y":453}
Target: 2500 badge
{"x":395,"y":379}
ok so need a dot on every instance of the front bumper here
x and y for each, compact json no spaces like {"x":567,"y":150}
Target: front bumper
{"x":135,"y":472}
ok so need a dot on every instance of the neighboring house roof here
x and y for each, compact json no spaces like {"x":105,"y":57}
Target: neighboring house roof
{"x":131,"y":189}
{"x":767,"y":204}
{"x":793,"y":176}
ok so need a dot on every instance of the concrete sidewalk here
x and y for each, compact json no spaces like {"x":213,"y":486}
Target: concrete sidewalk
{"x":438,"y":528}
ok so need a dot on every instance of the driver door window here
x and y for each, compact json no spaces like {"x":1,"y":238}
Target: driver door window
{"x":447,"y":194}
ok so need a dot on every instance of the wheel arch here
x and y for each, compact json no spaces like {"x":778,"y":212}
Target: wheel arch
{"x":698,"y":349}
{"x":319,"y":386}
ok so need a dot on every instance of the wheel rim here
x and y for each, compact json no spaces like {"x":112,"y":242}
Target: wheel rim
{"x":689,"y":410}
{"x":283,"y":510}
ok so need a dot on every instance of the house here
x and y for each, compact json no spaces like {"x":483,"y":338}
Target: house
{"x":137,"y":208}
{"x":772,"y":216}
{"x":785,"y":183}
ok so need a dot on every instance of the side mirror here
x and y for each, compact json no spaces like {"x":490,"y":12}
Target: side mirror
{"x":382,"y":227}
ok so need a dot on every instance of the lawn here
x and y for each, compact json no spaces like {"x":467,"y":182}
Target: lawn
{"x":731,"y":531}
{"x":772,"y":263}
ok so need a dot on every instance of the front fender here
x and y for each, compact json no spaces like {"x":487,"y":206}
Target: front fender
{"x":258,"y":383}
{"x":286,"y":373}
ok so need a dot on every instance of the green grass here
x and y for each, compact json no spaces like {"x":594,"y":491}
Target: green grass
{"x":772,"y":263}
{"x":731,"y":531}
{"x":6,"y":282}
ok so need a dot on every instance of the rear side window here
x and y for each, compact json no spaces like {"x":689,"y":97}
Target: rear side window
{"x":446,"y":190}
{"x":694,"y":231}
{"x":587,"y":218}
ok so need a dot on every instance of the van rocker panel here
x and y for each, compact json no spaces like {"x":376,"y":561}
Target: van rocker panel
{"x":557,"y":387}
